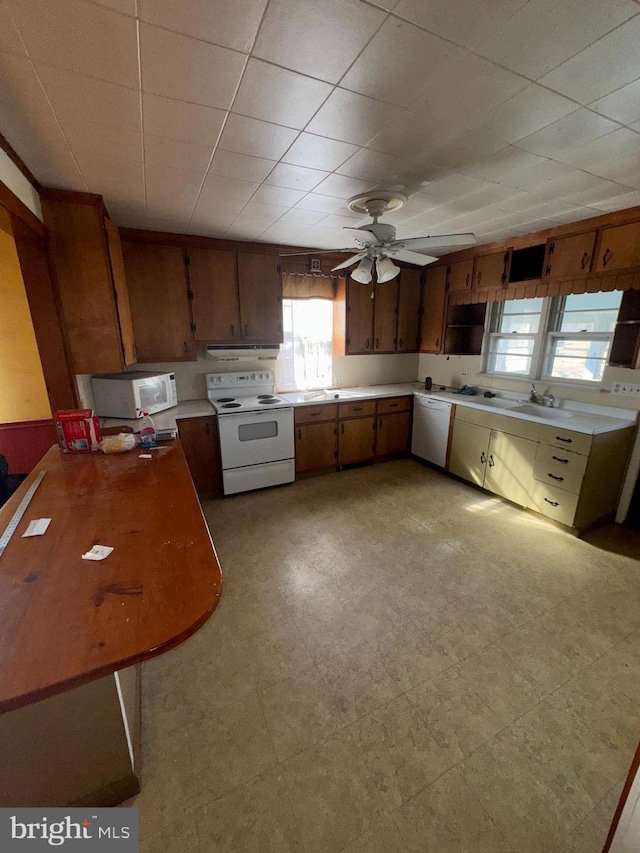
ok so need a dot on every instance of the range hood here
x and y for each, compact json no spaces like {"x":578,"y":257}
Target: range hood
{"x":243,"y":353}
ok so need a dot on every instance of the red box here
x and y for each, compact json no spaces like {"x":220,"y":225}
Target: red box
{"x":78,"y":430}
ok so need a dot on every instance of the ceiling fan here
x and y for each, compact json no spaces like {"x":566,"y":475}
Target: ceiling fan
{"x":376,"y":242}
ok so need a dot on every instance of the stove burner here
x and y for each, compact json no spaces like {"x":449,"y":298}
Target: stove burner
{"x":270,"y":402}
{"x":225,"y":399}
{"x":265,"y":397}
{"x":231,"y":405}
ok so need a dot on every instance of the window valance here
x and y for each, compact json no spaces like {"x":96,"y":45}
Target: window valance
{"x":308,"y":286}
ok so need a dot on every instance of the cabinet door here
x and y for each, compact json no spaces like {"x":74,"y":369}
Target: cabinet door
{"x":567,"y":256}
{"x":199,"y":438}
{"x":260,"y":290}
{"x":212,"y":279}
{"x":385,"y":324}
{"x":160,"y":309}
{"x":409,"y":311}
{"x":121,"y":290}
{"x":491,"y":270}
{"x":510,"y":465}
{"x":316,"y":447}
{"x":619,"y":248}
{"x":460,"y":275}
{"x":469,"y":450}
{"x":359,"y":318}
{"x":392,"y":434}
{"x":356,"y":440}
{"x":433,"y":299}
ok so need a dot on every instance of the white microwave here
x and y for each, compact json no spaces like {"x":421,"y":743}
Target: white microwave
{"x":128,"y":395}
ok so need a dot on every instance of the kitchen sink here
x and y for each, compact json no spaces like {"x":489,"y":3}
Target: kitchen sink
{"x":496,"y":402}
{"x":545,"y":412}
{"x":339,"y":394}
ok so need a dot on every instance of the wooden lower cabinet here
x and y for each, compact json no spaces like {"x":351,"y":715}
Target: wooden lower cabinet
{"x":356,"y":440}
{"x":199,"y":437}
{"x":316,"y":446}
{"x":392,"y":434}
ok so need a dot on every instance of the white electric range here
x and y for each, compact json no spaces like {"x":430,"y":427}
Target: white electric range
{"x":257,"y":446}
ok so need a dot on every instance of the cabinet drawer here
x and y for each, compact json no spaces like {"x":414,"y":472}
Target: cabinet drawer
{"x":502,"y":423}
{"x":315,"y":414}
{"x":553,"y":502}
{"x":394,"y":404}
{"x":562,"y":460}
{"x":555,"y":475}
{"x":357,"y":409}
{"x":579,"y":442}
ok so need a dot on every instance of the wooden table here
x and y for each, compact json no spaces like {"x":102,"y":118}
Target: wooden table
{"x":71,"y":630}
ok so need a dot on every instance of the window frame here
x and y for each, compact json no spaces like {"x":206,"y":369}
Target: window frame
{"x":496,"y":310}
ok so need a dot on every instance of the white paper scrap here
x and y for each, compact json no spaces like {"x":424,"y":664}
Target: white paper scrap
{"x":98,"y":552}
{"x":37,"y":527}
{"x":145,"y":456}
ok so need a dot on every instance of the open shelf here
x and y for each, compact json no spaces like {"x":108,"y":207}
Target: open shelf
{"x":464,"y":329}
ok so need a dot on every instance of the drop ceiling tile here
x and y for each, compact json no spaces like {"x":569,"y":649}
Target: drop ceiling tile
{"x":455,"y":185}
{"x":623,"y":105}
{"x":170,"y":225}
{"x":320,"y":39}
{"x":113,"y":144}
{"x":301,"y":219}
{"x":494,"y":194}
{"x":606,"y":149}
{"x":522,"y":201}
{"x":466,"y":148}
{"x":592,"y":74}
{"x":625,"y":170}
{"x":504,"y":164}
{"x":258,"y":216}
{"x":216,"y":207}
{"x":536,"y":178}
{"x":325,"y":204}
{"x":79,"y":100}
{"x":574,"y":182}
{"x":231,"y":165}
{"x":256,"y":138}
{"x":207,"y":225}
{"x":280,"y":233}
{"x":118,"y":175}
{"x":318,"y":152}
{"x":409,"y":135}
{"x":266,"y":194}
{"x":321,"y":238}
{"x":10,"y":40}
{"x":593,"y":197}
{"x":544,"y":33}
{"x":378,"y":73}
{"x":228,"y":25}
{"x":280,"y":96}
{"x":80,"y":37}
{"x":336,"y":220}
{"x":126,"y":7}
{"x":374,"y":167}
{"x":619,"y":202}
{"x":175,"y":153}
{"x":452,"y":19}
{"x":527,"y":112}
{"x":353,"y":118}
{"x":571,"y":131}
{"x":219,"y":186}
{"x":126,"y":215}
{"x":181,"y":120}
{"x":170,"y":190}
{"x":295,"y":177}
{"x":340,"y":186}
{"x":177,"y":66}
{"x":421,"y":202}
{"x":30,"y":127}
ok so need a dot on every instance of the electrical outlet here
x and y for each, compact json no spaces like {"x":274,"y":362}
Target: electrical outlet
{"x":626,"y":389}
{"x":464,"y":374}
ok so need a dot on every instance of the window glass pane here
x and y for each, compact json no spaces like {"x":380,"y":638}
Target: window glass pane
{"x":593,"y":301}
{"x":577,"y":359}
{"x":589,"y":321}
{"x":522,"y":306}
{"x":305,"y":360}
{"x":514,"y":344}
{"x":525,"y":324}
{"x":499,"y":363}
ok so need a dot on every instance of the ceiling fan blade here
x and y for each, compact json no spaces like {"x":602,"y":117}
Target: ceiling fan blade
{"x":364,"y":236}
{"x":411,"y":257}
{"x":349,"y":261}
{"x":439,"y":242}
{"x":318,"y":252}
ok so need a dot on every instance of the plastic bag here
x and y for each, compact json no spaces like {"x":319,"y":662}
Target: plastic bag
{"x":118,"y":443}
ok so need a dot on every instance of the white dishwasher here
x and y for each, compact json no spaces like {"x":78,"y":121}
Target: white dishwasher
{"x":430,"y":435}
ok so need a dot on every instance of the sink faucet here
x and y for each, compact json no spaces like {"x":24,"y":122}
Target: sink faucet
{"x":541,"y":400}
{"x":533,"y":395}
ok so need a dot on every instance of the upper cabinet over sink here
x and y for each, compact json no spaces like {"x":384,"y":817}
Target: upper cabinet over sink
{"x":568,"y":256}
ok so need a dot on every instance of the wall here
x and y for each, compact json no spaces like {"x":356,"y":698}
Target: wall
{"x":23,"y":395}
{"x":13,"y":178}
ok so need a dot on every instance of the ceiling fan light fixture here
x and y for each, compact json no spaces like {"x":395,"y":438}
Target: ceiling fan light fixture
{"x":386,"y":269}
{"x":362,"y":272}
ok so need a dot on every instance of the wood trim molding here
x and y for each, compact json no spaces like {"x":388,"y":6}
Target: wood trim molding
{"x":15,"y":158}
{"x":631,"y":775}
{"x":71,"y":196}
{"x":10,"y":201}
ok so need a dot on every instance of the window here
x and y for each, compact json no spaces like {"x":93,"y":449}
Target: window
{"x":305,"y":360}
{"x":566,"y":337}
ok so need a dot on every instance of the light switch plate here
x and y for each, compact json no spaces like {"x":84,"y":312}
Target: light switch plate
{"x":625,"y":389}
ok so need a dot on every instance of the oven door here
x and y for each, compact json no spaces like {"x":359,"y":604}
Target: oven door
{"x":252,"y":438}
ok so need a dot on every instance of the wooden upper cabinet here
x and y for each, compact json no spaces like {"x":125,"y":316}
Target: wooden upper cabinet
{"x":91,"y":288}
{"x":385,"y":323}
{"x":156,"y":275}
{"x":567,"y":256}
{"x":619,"y":248}
{"x":491,"y":270}
{"x":460,"y":276}
{"x":359,"y":318}
{"x":433,"y":305}
{"x":214,"y":303}
{"x":122,"y":292}
{"x":260,"y":292}
{"x":409,"y":288}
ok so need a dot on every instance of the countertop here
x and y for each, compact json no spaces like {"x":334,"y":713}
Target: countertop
{"x":66,"y":621}
{"x":585,"y":418}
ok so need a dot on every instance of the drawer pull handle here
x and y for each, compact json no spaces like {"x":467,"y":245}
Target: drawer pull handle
{"x":315,"y":414}
{"x":299,"y":435}
{"x":557,"y":459}
{"x":393,"y":405}
{"x":233,"y":331}
{"x":553,"y":477}
{"x":553,"y":503}
{"x":584,"y":260}
{"x":342,"y":429}
{"x":605,"y":257}
{"x":483,"y":458}
{"x":566,"y":440}
{"x":357,"y":408}
{"x":491,"y":462}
